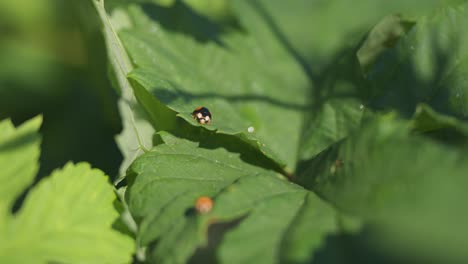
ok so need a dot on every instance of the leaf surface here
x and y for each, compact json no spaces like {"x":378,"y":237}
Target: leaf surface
{"x":166,"y":181}
{"x":427,"y":65}
{"x":400,"y":65}
{"x":137,"y":132}
{"x":19,"y":152}
{"x":386,"y":175}
{"x":197,"y":63}
{"x":67,"y":218}
{"x":336,"y":25}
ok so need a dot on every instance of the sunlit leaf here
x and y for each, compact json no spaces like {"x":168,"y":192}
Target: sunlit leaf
{"x":19,"y":152}
{"x":166,"y":181}
{"x":67,"y":217}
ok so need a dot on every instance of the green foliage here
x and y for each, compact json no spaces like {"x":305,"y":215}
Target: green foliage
{"x":339,"y":131}
{"x":67,"y":217}
{"x":183,"y":73}
{"x":254,"y":73}
{"x":320,"y":30}
{"x":166,"y":181}
{"x":19,"y":152}
{"x":136,"y":134}
{"x":425,"y":65}
{"x":385,"y":177}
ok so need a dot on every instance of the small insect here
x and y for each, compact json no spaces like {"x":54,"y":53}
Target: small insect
{"x":204,"y":204}
{"x":202,"y":115}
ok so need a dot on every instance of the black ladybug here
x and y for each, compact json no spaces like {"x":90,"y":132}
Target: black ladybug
{"x":202,"y":115}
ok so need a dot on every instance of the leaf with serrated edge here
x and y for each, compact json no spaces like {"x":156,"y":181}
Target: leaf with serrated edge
{"x":67,"y":218}
{"x":137,"y":132}
{"x":19,"y":153}
{"x":166,"y":181}
{"x":258,"y":83}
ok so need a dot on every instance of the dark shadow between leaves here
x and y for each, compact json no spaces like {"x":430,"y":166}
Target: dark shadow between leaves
{"x":216,"y":232}
{"x":320,"y":81}
{"x":168,"y":96}
{"x":357,"y":248}
{"x":368,"y":246}
{"x":319,"y":168}
{"x":80,"y":117}
{"x":449,"y":136}
{"x":119,"y":225}
{"x":403,"y":89}
{"x":19,"y":142}
{"x":206,"y":254}
{"x":212,"y":140}
{"x":263,"y":13}
{"x":205,"y":138}
{"x":181,"y":18}
{"x":396,"y":87}
{"x":343,"y":79}
{"x":20,"y":199}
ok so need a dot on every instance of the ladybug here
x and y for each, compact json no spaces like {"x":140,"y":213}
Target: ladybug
{"x":202,"y":115}
{"x":204,"y":204}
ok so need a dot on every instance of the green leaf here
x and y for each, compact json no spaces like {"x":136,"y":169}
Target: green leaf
{"x":341,"y":94}
{"x":377,"y":75}
{"x":409,"y":187}
{"x":136,"y":136}
{"x":288,"y":224}
{"x":137,"y":133}
{"x":217,"y":10}
{"x":181,"y":71}
{"x":337,"y":109}
{"x":19,"y":152}
{"x":382,"y":37}
{"x":67,"y":218}
{"x":334,"y":26}
{"x":428,"y":65}
{"x":165,"y":182}
{"x":439,"y":127}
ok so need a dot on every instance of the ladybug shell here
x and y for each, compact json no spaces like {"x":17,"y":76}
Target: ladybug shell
{"x":202,"y":115}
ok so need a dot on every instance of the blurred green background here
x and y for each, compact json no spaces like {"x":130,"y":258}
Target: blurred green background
{"x":53,"y":64}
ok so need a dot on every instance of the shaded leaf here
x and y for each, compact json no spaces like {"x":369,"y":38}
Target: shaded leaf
{"x":383,"y":36}
{"x":387,"y":176}
{"x":337,"y":109}
{"x":426,"y":66}
{"x":442,"y":128}
{"x":288,"y":224}
{"x":165,"y":182}
{"x":383,"y":73}
{"x":137,"y":133}
{"x":335,"y":25}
